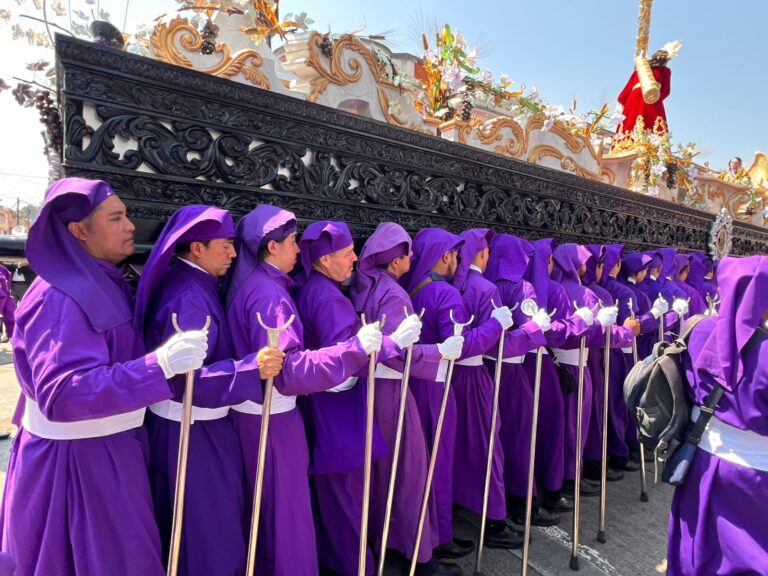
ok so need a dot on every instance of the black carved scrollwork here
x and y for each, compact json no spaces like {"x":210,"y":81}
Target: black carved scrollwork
{"x":166,"y":136}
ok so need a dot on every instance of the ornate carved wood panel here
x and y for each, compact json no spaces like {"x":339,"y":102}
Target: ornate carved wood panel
{"x":165,"y":136}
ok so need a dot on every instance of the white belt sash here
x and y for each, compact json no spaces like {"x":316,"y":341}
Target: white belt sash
{"x":568,"y":357}
{"x":471,"y":361}
{"x":509,"y":360}
{"x":742,"y":447}
{"x":383,"y":371}
{"x":35,"y":422}
{"x":627,"y":350}
{"x":171,"y":410}
{"x":280,"y":404}
{"x":345,"y":385}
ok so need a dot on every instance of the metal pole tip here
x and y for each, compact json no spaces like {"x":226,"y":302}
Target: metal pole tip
{"x":644,"y":497}
{"x":575,"y":563}
{"x":601,"y":536}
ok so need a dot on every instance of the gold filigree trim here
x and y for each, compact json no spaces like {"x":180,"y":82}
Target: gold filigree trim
{"x":607,"y":175}
{"x":490,"y":132}
{"x":164,"y":47}
{"x":574,"y":143}
{"x":339,"y":73}
{"x":566,"y":162}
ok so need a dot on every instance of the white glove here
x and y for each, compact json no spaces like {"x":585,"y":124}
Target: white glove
{"x":370,"y":337}
{"x":450,"y":348}
{"x":680,"y":306}
{"x":607,"y":316}
{"x":183,"y":352}
{"x":408,"y":332}
{"x":542,"y":320}
{"x":585,"y":314}
{"x":660,"y":306}
{"x":503,"y":316}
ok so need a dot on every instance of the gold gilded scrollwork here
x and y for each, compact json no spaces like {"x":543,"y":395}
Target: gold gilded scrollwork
{"x":491,"y":131}
{"x":339,"y":73}
{"x":566,"y":162}
{"x":164,"y":46}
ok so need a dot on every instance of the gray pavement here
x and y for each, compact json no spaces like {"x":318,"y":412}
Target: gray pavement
{"x":636,"y":531}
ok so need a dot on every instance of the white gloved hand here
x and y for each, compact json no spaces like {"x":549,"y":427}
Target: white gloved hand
{"x":183,"y":352}
{"x":607,"y":316}
{"x":408,"y":332}
{"x":660,"y":306}
{"x":450,"y":348}
{"x":370,"y":337}
{"x":542,"y":320}
{"x":680,"y":305}
{"x":503,"y":316}
{"x":585,"y":314}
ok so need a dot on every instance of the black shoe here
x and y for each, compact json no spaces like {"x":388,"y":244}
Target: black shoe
{"x":5,"y":435}
{"x":454,"y":549}
{"x":506,"y":539}
{"x":586,"y":489}
{"x":561,"y":505}
{"x":432,"y":568}
{"x":540,"y":517}
{"x":623,"y":464}
{"x":610,"y":474}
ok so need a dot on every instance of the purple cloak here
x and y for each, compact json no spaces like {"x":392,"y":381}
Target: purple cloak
{"x":287,"y":542}
{"x":473,"y":389}
{"x":67,"y":507}
{"x":336,"y":420}
{"x":717,"y":522}
{"x":212,"y":539}
{"x":7,"y":302}
{"x":375,"y":292}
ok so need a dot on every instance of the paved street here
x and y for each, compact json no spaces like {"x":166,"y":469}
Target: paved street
{"x":636,"y":531}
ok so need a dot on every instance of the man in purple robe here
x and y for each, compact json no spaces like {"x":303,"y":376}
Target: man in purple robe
{"x":566,"y":327}
{"x":337,"y":418}
{"x":657,"y":283}
{"x":267,"y":248}
{"x":697,"y":270}
{"x":570,"y":266}
{"x":696,"y":303}
{"x":212,"y":540}
{"x":621,"y":362}
{"x":717,"y":523}
{"x":7,"y":303}
{"x":473,"y":389}
{"x":634,"y":269}
{"x":428,"y":283}
{"x":385,"y":257}
{"x":709,"y":286}
{"x":77,"y":499}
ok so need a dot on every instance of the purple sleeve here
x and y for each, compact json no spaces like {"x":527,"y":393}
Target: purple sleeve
{"x":476,"y":340}
{"x":225,"y":382}
{"x":522,"y":340}
{"x":304,"y":371}
{"x":73,"y":374}
{"x":648,"y":323}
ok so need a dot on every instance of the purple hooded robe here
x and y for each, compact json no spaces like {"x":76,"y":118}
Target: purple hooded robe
{"x":717,"y":523}
{"x":7,"y":302}
{"x":287,"y":544}
{"x":696,"y":304}
{"x":336,"y":420}
{"x":435,"y":294}
{"x":77,"y":476}
{"x":568,"y":260}
{"x":212,"y":539}
{"x":473,"y":388}
{"x":550,"y":452}
{"x":376,"y":292}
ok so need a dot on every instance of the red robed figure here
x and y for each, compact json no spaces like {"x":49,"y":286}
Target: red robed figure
{"x":631,"y":98}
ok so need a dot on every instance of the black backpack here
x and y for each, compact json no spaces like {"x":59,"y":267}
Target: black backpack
{"x":656,"y":392}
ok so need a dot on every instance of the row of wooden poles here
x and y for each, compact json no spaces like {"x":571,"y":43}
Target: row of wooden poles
{"x":529,"y":308}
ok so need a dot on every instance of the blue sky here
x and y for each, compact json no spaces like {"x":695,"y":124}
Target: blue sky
{"x":568,"y":48}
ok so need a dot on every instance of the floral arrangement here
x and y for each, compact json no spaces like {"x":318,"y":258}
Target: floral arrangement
{"x":452,"y":84}
{"x":658,"y":161}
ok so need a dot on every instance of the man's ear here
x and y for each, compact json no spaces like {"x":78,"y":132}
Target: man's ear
{"x":77,"y":229}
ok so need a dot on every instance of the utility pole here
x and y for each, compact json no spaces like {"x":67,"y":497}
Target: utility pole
{"x":18,"y":216}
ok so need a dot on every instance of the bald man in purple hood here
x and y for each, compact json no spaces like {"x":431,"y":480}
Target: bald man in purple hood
{"x":267,"y":247}
{"x":77,"y":499}
{"x":201,"y":239}
{"x":717,"y":523}
{"x":337,"y":418}
{"x":386,"y":256}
